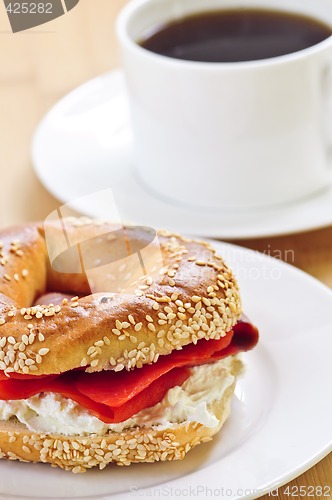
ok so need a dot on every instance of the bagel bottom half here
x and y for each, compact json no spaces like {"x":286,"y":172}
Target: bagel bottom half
{"x":134,"y":444}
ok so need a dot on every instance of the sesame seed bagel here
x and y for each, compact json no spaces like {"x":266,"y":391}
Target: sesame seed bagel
{"x":133,"y":296}
{"x":132,"y":445}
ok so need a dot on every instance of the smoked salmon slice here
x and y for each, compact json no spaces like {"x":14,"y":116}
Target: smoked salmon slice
{"x":115,"y":396}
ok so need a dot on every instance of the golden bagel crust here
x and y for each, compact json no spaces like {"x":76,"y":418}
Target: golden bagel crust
{"x":189,"y":295}
{"x":78,"y":453}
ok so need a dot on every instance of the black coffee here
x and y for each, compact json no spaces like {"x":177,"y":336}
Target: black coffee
{"x":235,"y":35}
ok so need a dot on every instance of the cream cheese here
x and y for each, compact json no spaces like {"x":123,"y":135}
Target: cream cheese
{"x":52,"y":413}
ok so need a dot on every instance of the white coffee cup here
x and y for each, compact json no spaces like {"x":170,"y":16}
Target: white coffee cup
{"x":237,"y":135}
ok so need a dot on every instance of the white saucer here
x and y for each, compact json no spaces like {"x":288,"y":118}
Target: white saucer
{"x":83,"y":145}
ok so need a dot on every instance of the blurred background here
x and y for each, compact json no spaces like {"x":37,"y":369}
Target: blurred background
{"x":38,"y":66}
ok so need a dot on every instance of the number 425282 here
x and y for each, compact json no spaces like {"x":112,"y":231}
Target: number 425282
{"x":29,"y":8}
{"x":303,"y":491}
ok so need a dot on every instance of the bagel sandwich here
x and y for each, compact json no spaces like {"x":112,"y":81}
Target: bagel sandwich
{"x":116,"y":344}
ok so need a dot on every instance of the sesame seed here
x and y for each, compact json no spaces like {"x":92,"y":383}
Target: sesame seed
{"x":7,"y":277}
{"x":78,"y":469}
{"x":143,"y":287}
{"x":94,"y":363}
{"x":43,"y":351}
{"x":163,"y":299}
{"x":119,"y":367}
{"x":232,"y":307}
{"x":131,"y":319}
{"x":25,"y":273}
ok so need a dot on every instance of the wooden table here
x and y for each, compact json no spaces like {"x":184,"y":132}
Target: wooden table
{"x":40,"y":66}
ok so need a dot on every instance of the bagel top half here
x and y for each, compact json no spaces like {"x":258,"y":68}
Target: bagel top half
{"x":133,"y":296}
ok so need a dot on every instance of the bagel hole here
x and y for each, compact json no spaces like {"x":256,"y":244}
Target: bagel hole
{"x":118,"y":261}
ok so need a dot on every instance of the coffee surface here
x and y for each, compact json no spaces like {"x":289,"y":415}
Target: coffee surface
{"x":235,"y":35}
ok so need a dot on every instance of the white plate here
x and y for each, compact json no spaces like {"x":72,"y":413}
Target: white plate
{"x":84,"y":145}
{"x":281,"y":416}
